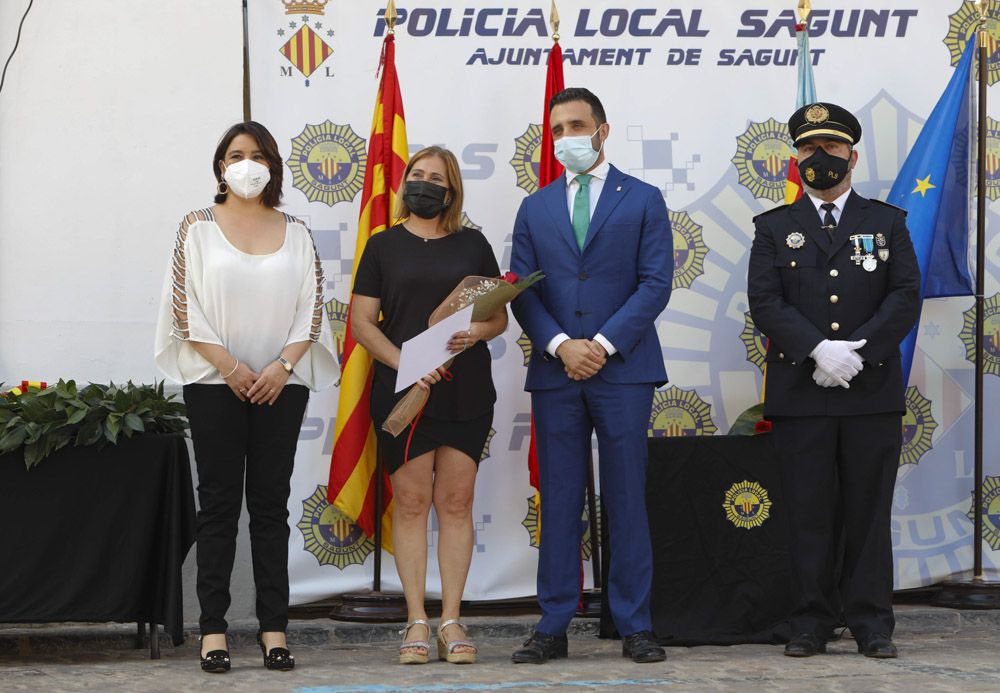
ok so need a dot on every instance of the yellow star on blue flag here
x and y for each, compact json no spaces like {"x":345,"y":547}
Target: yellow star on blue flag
{"x":923,"y":185}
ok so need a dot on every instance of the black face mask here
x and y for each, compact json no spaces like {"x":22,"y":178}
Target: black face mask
{"x":425,"y":199}
{"x":822,"y":171}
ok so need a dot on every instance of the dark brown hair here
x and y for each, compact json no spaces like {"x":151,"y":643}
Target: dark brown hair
{"x":580,"y":94}
{"x":268,"y":147}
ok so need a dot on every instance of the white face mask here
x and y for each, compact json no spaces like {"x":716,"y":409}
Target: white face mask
{"x":247,"y":178}
{"x":577,"y":153}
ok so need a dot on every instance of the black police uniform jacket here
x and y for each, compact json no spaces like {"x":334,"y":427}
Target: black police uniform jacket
{"x":801,"y":296}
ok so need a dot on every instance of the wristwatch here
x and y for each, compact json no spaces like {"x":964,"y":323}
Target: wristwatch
{"x":286,"y":364}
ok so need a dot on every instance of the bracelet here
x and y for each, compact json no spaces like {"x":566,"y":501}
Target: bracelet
{"x":232,"y":371}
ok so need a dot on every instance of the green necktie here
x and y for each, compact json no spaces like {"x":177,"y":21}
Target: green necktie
{"x":581,"y":208}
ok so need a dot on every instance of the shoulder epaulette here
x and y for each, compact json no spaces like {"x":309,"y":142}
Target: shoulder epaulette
{"x":888,"y":204}
{"x":770,"y":211}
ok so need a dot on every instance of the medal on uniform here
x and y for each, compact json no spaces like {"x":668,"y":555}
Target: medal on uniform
{"x":868,"y":244}
{"x":795,"y":240}
{"x":883,"y":254}
{"x":880,"y":240}
{"x":856,"y":242}
{"x":864,"y":251}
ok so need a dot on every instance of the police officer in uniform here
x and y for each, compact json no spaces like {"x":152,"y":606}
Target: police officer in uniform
{"x":834,"y":285}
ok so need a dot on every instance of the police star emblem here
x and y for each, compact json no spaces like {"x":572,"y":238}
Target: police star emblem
{"x":747,"y":504}
{"x":795,"y":240}
{"x":331,"y":536}
{"x":991,"y":512}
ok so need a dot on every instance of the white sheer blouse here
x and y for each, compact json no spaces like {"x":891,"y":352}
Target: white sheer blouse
{"x":253,"y":305}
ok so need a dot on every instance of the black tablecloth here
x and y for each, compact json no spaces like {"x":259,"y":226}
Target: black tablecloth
{"x":715,"y":582}
{"x":94,"y":535}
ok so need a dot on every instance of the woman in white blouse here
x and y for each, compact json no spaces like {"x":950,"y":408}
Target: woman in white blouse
{"x":241,"y":326}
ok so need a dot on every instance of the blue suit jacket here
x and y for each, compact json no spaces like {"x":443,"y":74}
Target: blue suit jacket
{"x":617,"y":285}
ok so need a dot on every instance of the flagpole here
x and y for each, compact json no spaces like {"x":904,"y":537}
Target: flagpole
{"x":977,"y":593}
{"x":977,"y":563}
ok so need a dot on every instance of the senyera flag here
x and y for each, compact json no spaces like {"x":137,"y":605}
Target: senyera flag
{"x":352,"y":482}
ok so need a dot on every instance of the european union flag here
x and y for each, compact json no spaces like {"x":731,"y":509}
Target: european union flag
{"x":933,"y":187}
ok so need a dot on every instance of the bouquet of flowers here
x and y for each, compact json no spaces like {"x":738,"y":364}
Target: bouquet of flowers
{"x":487,"y":295}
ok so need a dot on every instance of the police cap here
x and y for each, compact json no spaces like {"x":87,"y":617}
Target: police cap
{"x":824,"y":120}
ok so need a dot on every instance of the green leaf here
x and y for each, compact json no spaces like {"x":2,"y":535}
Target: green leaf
{"x":12,"y":439}
{"x":90,"y":433}
{"x":77,"y":416}
{"x":112,"y":427}
{"x":33,"y":454}
{"x":134,"y":422}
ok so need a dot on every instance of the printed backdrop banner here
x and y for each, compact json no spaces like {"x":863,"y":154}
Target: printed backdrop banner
{"x":697,"y":94}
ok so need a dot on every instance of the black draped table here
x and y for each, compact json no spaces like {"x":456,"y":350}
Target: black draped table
{"x":98,"y":535}
{"x":721,"y":570}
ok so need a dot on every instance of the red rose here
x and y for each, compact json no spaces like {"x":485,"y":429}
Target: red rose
{"x":511,"y":278}
{"x":763,"y":426}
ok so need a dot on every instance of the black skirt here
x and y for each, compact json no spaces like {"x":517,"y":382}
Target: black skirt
{"x":430,"y":433}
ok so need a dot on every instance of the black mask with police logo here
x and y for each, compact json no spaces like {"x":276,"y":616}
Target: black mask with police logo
{"x":822,"y":171}
{"x":425,"y":199}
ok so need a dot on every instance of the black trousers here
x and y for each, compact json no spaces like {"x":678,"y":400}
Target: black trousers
{"x":838,"y":475}
{"x":233,"y":439}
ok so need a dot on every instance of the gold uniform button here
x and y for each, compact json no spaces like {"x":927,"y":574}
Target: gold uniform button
{"x":834,"y":298}
{"x":834,"y":273}
{"x":834,"y":326}
{"x":792,"y":263}
{"x":781,"y":356}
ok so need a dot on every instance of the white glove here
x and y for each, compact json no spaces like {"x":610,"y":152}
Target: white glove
{"x":824,"y":379}
{"x":838,"y":358}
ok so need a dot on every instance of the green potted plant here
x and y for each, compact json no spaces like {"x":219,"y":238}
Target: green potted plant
{"x":43,"y":420}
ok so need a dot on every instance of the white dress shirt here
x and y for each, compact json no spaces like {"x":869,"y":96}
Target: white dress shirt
{"x":838,"y":206}
{"x":600,"y":174}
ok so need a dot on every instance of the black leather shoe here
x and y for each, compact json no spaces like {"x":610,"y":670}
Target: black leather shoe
{"x":216,"y":661}
{"x":540,"y":648}
{"x":277,"y":658}
{"x":879,"y":646}
{"x":805,"y":645}
{"x":642,"y":648}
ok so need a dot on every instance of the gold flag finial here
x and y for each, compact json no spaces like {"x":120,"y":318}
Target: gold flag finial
{"x":983,"y":8}
{"x":391,"y":16}
{"x":554,"y":21}
{"x":805,"y":7}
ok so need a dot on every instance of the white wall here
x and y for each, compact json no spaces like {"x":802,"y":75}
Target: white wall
{"x":108,"y":122}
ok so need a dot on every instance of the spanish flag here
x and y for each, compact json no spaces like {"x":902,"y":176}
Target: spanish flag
{"x":352,"y":467}
{"x":549,"y":169}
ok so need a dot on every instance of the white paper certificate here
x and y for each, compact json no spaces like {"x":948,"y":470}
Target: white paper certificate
{"x":429,"y":349}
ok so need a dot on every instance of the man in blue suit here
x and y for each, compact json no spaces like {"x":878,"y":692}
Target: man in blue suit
{"x":603,"y":240}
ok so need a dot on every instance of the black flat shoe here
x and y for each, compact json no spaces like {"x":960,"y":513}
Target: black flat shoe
{"x":540,"y":648}
{"x":642,"y":648}
{"x":277,"y":658}
{"x":878,"y":646}
{"x":216,"y":661}
{"x":805,"y":645}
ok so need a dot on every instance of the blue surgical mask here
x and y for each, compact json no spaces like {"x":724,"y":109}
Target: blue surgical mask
{"x":577,"y":153}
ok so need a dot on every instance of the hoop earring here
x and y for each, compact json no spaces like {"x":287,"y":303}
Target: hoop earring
{"x":222,"y":188}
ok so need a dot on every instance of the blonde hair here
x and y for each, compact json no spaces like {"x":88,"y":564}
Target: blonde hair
{"x":451,"y":217}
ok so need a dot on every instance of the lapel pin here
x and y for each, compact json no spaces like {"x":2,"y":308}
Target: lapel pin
{"x":618,"y":189}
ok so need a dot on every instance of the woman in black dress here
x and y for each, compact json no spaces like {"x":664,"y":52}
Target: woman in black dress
{"x":406,"y":272}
